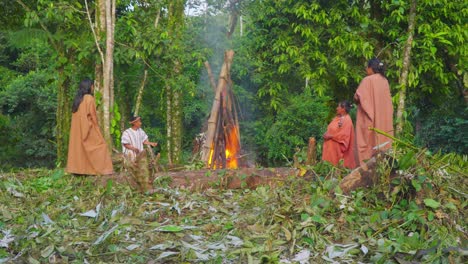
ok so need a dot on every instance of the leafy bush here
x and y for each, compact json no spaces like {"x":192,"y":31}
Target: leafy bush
{"x":29,"y":104}
{"x":443,"y":132}
{"x":9,"y":138}
{"x":306,"y":116}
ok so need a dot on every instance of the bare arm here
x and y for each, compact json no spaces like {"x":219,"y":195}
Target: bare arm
{"x":153,"y":144}
{"x":130,"y":147}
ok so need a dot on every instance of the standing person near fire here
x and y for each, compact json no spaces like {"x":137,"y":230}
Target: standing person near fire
{"x":88,"y":152}
{"x":133,"y":141}
{"x":134,"y":138}
{"x":375,"y":110}
{"x":339,"y":141}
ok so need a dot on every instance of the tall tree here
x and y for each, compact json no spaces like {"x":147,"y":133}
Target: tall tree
{"x":406,"y":66}
{"x":104,"y":28}
{"x":53,"y":19}
{"x":174,"y":96}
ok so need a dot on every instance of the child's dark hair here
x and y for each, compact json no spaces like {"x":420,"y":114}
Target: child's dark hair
{"x":377,"y":66}
{"x":346,"y":105}
{"x":133,"y":119}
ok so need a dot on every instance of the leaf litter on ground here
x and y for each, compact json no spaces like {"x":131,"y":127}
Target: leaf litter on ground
{"x":49,"y":216}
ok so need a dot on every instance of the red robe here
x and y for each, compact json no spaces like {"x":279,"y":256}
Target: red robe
{"x":87,"y":149}
{"x":375,"y":109}
{"x":341,"y":144}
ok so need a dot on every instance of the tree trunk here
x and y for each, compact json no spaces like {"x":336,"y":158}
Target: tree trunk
{"x":140,"y":93}
{"x":241,"y":26}
{"x":223,"y":77}
{"x":63,"y":115}
{"x":311,"y":152}
{"x":234,"y":15}
{"x":99,"y":31}
{"x":174,"y":120}
{"x":405,"y":69}
{"x":169,"y":124}
{"x":104,"y":70}
{"x":108,"y":78}
{"x":363,"y":176}
{"x":63,"y":112}
{"x":173,"y":87}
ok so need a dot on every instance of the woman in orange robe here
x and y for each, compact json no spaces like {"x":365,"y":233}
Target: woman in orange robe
{"x":375,"y":109}
{"x":339,"y":139}
{"x":87,"y":150}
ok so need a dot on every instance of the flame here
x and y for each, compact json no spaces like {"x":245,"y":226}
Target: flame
{"x":232,"y":150}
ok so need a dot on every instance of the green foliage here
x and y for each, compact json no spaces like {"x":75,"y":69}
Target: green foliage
{"x":287,"y":48}
{"x":10,"y":138}
{"x":323,"y":46}
{"x":115,"y":126}
{"x":444,"y":132}
{"x":307,"y":45}
{"x":47,"y":213}
{"x":304,"y":117}
{"x":30,"y":103}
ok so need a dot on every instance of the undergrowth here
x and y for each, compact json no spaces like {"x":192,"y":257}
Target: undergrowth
{"x":415,"y":214}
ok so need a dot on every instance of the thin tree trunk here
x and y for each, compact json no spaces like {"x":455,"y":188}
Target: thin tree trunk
{"x":111,"y":86}
{"x":140,"y":93}
{"x":63,"y":115}
{"x":223,"y":77}
{"x":405,"y":69}
{"x":210,"y":76}
{"x":241,"y":26}
{"x":169,"y":124}
{"x":108,"y":79}
{"x":99,"y":30}
{"x":233,"y":6}
{"x":177,"y":126}
{"x":156,"y":20}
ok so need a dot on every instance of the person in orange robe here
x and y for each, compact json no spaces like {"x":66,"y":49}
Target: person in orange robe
{"x":87,"y":150}
{"x":375,"y":109}
{"x":339,"y":139}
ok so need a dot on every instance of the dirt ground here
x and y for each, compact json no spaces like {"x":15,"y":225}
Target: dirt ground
{"x":202,"y":179}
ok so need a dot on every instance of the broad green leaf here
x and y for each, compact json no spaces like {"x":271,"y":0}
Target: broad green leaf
{"x":416,"y":184}
{"x":431,"y":203}
{"x":450,"y":206}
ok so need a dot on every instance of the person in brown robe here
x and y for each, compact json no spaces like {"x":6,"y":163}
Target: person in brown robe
{"x":375,"y":109}
{"x":339,"y":142}
{"x":87,"y":150}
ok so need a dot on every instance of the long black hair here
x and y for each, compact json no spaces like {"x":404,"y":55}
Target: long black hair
{"x":84,"y":88}
{"x":346,"y":105}
{"x":377,"y":66}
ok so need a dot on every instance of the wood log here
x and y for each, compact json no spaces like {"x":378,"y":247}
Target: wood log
{"x":363,"y":176}
{"x":212,"y":121}
{"x":210,"y":76}
{"x":311,"y":152}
